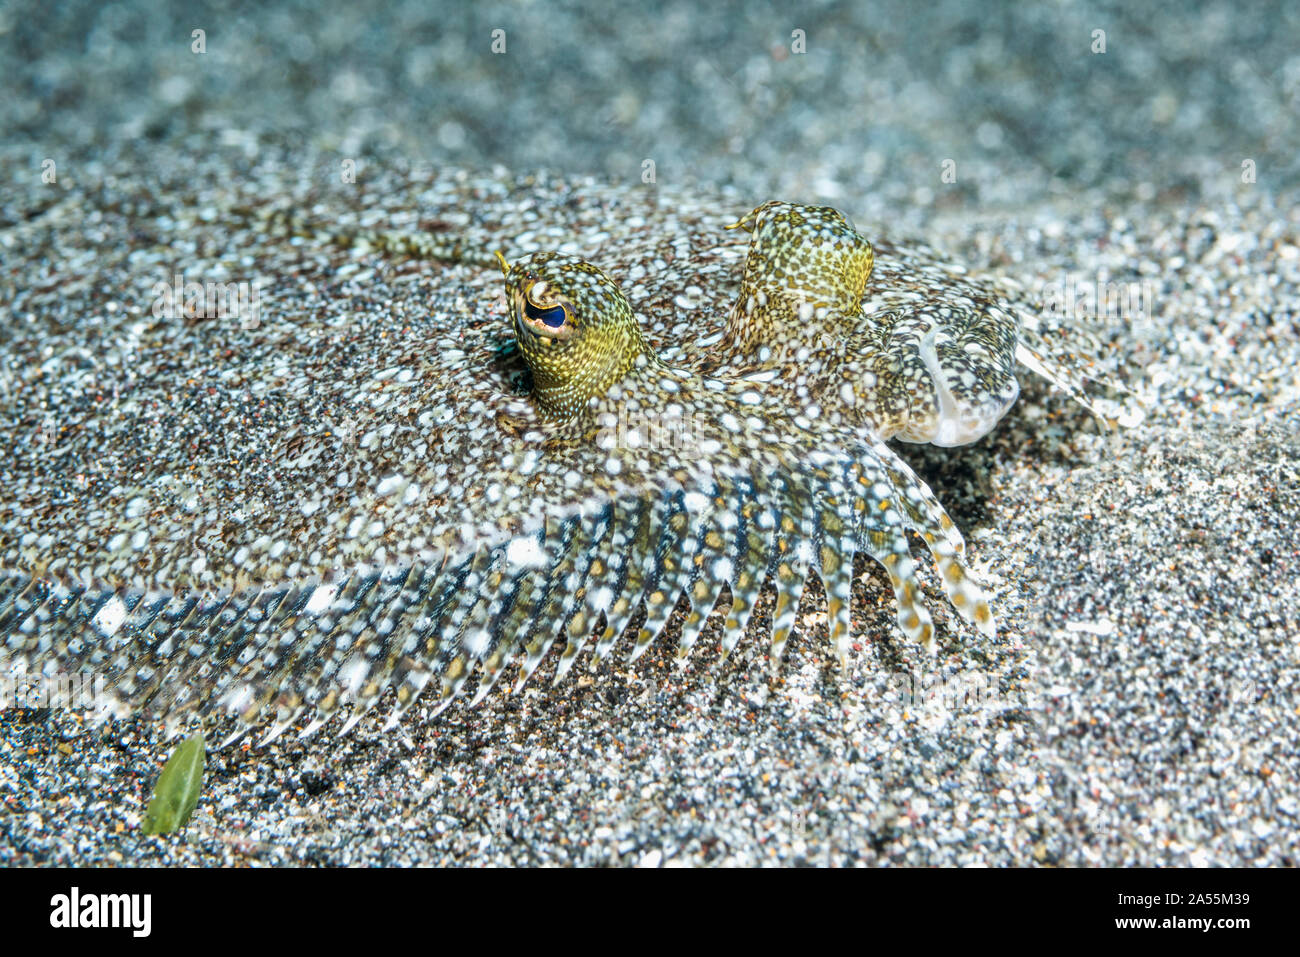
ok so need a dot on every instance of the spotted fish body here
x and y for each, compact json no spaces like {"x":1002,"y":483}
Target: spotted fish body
{"x":922,"y":365}
{"x":458,"y":526}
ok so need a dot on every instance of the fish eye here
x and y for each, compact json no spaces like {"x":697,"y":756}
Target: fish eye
{"x":552,"y":316}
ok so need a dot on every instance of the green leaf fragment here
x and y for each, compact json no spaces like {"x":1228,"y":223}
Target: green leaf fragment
{"x":177,"y":791}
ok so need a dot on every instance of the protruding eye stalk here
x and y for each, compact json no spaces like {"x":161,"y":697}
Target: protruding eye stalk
{"x":575,"y":330}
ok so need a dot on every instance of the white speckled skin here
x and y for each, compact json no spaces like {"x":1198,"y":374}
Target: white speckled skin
{"x":910,"y":350}
{"x":438,"y":520}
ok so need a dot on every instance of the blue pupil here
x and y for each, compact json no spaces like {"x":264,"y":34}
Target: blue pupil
{"x":553,"y":317}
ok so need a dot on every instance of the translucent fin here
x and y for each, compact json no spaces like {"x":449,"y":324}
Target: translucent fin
{"x":789,"y":565}
{"x":669,"y":575}
{"x":592,"y":535}
{"x":634,"y":543}
{"x":543,"y":630}
{"x":597,"y":575}
{"x":755,"y":529}
{"x":711,"y":559}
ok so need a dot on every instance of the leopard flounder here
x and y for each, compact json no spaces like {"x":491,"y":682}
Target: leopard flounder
{"x":463,"y":524}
